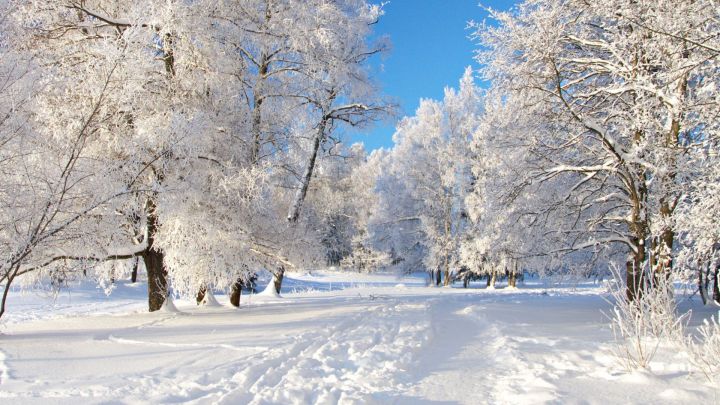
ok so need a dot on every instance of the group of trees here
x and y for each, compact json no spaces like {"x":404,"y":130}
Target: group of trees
{"x":199,"y":140}
{"x":596,"y":145}
{"x":421,"y":215}
{"x":181,"y":137}
{"x":612,"y":111}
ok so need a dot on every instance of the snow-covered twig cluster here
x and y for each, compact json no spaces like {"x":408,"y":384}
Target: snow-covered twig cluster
{"x":705,"y":349}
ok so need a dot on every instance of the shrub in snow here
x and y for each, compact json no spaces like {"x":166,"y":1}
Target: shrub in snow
{"x":640,"y":326}
{"x":705,"y":349}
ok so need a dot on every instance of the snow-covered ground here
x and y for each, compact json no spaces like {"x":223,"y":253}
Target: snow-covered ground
{"x":333,"y":338}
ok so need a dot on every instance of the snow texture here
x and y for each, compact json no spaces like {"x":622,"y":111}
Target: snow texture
{"x":334,"y":338}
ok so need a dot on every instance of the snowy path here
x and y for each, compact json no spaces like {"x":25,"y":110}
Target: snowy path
{"x":530,"y":349}
{"x":368,"y":343}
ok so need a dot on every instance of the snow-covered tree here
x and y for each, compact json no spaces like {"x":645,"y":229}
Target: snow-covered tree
{"x":194,"y":117}
{"x":698,"y":224}
{"x":618,"y":93}
{"x":430,"y":160}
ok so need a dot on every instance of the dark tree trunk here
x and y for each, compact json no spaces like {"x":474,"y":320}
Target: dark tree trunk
{"x":438,"y":276}
{"x":8,"y":282}
{"x":133,"y":275}
{"x":235,"y":293}
{"x":278,"y":276}
{"x":635,"y":276}
{"x":634,"y":268}
{"x":465,"y":282}
{"x":154,"y":263}
{"x":489,"y":278}
{"x":169,"y":55}
{"x":661,"y":261}
{"x":157,"y":279}
{"x":701,"y":287}
{"x":200,"y":295}
{"x":513,"y":275}
{"x":716,"y":285}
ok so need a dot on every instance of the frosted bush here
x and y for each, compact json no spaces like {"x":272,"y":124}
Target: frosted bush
{"x":704,"y":350}
{"x":642,"y":325}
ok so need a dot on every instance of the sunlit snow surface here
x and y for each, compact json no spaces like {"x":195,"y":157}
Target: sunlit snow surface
{"x":334,"y":338}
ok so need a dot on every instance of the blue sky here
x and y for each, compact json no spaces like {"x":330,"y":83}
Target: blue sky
{"x":430,"y":50}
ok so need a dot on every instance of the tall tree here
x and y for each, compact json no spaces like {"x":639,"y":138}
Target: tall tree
{"x":431,"y":159}
{"x":618,"y":95}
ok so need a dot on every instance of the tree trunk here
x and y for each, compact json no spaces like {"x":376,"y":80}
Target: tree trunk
{"x":258,"y":99}
{"x":294,"y":212}
{"x":716,"y":285}
{"x":661,"y":252}
{"x":235,"y":293}
{"x":153,"y":259}
{"x":512,"y":278}
{"x":133,"y":275}
{"x":634,"y":274}
{"x":278,"y":276}
{"x":489,"y":279}
{"x":638,"y":227}
{"x":494,"y":278}
{"x":437,"y":277}
{"x":157,"y":279}
{"x":169,"y":54}
{"x":465,"y":282}
{"x":200,"y":295}
{"x":701,"y":287}
{"x":8,"y":282}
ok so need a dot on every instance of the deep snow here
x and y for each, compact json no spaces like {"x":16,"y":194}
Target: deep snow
{"x":333,"y":338}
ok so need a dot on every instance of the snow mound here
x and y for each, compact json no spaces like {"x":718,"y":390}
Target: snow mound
{"x":209,"y":300}
{"x":467,"y":310}
{"x":169,"y":306}
{"x":643,"y":377}
{"x":269,"y":291}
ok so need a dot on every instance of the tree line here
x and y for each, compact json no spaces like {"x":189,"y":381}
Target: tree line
{"x":201,"y":141}
{"x":593,"y":149}
{"x":182,"y":137}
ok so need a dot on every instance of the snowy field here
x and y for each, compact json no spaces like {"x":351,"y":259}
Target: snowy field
{"x":334,"y":338}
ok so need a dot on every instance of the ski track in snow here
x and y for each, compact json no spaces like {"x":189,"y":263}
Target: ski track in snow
{"x":354,"y":362}
{"x":486,"y":368}
{"x":112,"y":338}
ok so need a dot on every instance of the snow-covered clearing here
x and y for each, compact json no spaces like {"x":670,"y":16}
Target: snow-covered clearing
{"x":332,"y":338}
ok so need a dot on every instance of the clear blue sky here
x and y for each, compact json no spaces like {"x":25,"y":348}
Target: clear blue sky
{"x":430,"y":50}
